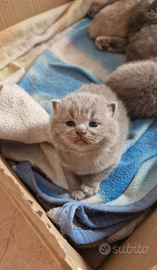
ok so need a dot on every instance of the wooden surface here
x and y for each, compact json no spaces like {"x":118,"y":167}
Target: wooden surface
{"x":20,"y":247}
{"x":130,"y":256}
{"x":16,"y":11}
{"x":37,"y":225}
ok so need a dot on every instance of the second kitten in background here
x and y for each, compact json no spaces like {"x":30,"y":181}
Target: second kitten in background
{"x":110,"y":19}
{"x":135,"y":83}
{"x":141,"y":28}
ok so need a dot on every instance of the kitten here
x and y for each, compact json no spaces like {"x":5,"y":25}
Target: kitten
{"x":110,"y":19}
{"x":142,"y":31}
{"x":142,"y":28}
{"x":89,"y":129}
{"x":136,"y":85}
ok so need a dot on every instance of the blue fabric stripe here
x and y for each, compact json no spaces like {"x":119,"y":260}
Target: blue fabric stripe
{"x":91,"y":228}
{"x":119,"y":178}
{"x":51,"y":78}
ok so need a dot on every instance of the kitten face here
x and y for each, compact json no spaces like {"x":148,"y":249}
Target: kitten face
{"x":83,"y":122}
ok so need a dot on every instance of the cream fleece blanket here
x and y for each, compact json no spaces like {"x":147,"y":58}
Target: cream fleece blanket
{"x":25,"y":132}
{"x":19,"y":44}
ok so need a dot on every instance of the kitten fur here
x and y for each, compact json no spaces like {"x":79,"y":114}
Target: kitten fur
{"x":110,"y":19}
{"x":142,"y":38}
{"x":88,"y":154}
{"x":136,"y":85}
{"x":141,"y":21}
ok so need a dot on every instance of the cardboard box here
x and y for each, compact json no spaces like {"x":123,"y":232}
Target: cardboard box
{"x":30,"y":241}
{"x":28,"y":238}
{"x":16,"y":11}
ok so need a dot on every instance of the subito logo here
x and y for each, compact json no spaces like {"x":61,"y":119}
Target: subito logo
{"x":104,"y":249}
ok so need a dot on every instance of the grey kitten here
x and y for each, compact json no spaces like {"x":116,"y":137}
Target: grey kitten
{"x":136,"y":85}
{"x":142,"y":29}
{"x":89,"y":129}
{"x":110,"y":19}
{"x":142,"y":38}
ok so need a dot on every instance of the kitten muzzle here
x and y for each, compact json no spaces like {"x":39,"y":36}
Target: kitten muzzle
{"x":81,"y":140}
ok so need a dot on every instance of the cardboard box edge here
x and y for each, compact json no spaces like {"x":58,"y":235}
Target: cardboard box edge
{"x":36,"y":217}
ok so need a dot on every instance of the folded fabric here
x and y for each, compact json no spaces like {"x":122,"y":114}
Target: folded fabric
{"x":83,"y":223}
{"x":22,"y":118}
{"x":19,"y":39}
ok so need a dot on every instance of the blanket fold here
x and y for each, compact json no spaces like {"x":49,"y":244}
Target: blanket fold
{"x":22,"y":118}
{"x":85,"y":224}
{"x":23,"y":36}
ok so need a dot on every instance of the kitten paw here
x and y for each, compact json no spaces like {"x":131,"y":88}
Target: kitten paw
{"x":111,"y":44}
{"x":83,"y":192}
{"x":94,"y":10}
{"x":104,"y":44}
{"x":77,"y":195}
{"x":88,"y":190}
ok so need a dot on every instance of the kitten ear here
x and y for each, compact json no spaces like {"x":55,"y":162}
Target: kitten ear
{"x":55,"y":103}
{"x":112,"y":108}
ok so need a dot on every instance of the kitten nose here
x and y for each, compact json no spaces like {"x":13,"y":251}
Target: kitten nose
{"x":81,"y":129}
{"x":80,"y":132}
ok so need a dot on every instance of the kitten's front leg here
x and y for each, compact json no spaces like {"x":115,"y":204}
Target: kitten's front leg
{"x":73,"y":180}
{"x":96,"y":8}
{"x":88,"y":188}
{"x":90,"y":184}
{"x":112,"y":44}
{"x":74,"y":184}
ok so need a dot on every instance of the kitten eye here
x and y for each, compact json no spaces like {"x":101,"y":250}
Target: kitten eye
{"x":70,"y":124}
{"x":93,"y":124}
